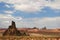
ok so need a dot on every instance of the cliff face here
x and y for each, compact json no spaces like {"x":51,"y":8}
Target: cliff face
{"x":12,"y":31}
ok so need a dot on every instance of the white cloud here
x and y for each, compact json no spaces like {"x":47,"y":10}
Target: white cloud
{"x":7,"y":6}
{"x":30,"y":6}
{"x":27,"y":8}
{"x":40,"y":22}
{"x":9,"y":12}
{"x":54,"y":5}
{"x":49,"y":22}
{"x":9,"y":17}
{"x":33,"y":5}
{"x":5,"y":20}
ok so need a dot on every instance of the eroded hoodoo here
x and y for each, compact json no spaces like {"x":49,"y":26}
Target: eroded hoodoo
{"x":12,"y":31}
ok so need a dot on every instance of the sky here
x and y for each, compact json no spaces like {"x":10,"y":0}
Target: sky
{"x":30,"y":13}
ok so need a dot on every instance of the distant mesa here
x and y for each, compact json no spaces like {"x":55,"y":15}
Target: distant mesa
{"x":44,"y":28}
{"x":12,"y":31}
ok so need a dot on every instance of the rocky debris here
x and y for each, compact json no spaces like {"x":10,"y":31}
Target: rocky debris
{"x":12,"y":31}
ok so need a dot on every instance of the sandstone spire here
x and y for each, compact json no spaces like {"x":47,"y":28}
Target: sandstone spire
{"x":12,"y":30}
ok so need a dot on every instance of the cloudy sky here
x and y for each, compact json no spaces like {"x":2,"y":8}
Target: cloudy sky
{"x":30,"y":13}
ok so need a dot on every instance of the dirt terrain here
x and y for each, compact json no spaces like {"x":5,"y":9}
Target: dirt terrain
{"x":13,"y":33}
{"x":28,"y":38}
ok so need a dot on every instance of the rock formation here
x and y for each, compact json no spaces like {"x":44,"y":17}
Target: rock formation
{"x":12,"y":31}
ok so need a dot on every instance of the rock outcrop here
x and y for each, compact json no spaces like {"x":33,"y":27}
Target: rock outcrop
{"x":12,"y":31}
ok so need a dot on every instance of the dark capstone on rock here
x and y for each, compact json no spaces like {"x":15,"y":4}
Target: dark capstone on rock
{"x":12,"y":31}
